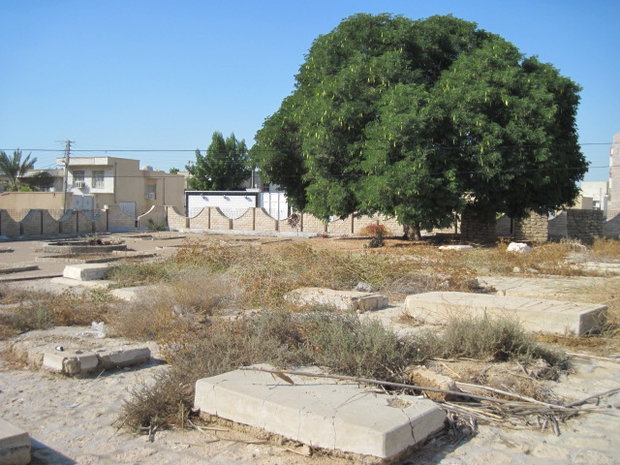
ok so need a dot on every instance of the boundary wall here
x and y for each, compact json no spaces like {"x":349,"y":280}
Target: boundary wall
{"x":583,"y":225}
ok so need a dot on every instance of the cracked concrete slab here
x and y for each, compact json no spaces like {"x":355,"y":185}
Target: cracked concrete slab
{"x":340,"y":300}
{"x":321,"y":412}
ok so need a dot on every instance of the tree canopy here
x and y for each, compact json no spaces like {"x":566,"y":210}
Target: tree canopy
{"x":14,"y":167}
{"x":223,"y":167}
{"x":421,"y":119}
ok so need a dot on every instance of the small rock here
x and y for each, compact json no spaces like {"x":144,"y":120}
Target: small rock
{"x":422,"y":376}
{"x":518,"y":247}
{"x":364,"y":287}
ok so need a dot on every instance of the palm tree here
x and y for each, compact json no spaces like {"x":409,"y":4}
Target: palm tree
{"x":14,"y":168}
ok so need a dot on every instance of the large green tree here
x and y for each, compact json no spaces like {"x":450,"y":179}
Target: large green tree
{"x":224,"y":166}
{"x":420,"y":120}
{"x":14,"y":167}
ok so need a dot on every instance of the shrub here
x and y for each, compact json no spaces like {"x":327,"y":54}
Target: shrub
{"x":497,"y":339}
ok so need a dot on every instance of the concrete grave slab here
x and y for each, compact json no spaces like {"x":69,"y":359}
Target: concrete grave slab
{"x":132,"y":294}
{"x":556,"y":288}
{"x":455,"y":247}
{"x":68,"y":282}
{"x":84,"y":350}
{"x":547,"y":316}
{"x":86,"y":271}
{"x":70,"y":362}
{"x":321,"y":412}
{"x":14,"y":444}
{"x":340,"y":300}
{"x":123,"y":357}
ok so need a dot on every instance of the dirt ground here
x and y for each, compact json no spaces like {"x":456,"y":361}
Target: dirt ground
{"x":71,"y":420}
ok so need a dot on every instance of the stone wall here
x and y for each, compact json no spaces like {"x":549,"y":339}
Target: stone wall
{"x":611,"y":227}
{"x":473,"y":229}
{"x":534,"y":228}
{"x":582,"y":225}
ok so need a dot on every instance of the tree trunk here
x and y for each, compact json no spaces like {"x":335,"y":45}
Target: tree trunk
{"x":412,"y":232}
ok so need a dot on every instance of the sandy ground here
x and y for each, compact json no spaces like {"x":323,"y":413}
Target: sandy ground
{"x":71,"y":420}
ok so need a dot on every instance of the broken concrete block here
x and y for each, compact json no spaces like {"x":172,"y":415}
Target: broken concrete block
{"x":14,"y":444}
{"x":340,"y":300}
{"x":422,"y":376}
{"x":123,"y":357}
{"x":86,"y":271}
{"x":547,"y":316}
{"x":320,"y":412}
{"x":70,"y":362}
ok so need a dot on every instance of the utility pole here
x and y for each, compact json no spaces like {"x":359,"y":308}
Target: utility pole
{"x":66,"y":174}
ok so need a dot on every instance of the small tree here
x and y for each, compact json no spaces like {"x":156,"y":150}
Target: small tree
{"x":224,"y":166}
{"x":14,"y":168}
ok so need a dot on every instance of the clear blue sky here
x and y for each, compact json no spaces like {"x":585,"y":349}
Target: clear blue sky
{"x":154,"y":74}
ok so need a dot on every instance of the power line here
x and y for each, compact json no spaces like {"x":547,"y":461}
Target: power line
{"x":265,"y":150}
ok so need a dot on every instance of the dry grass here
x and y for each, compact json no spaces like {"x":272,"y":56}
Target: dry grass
{"x":42,"y":311}
{"x":264,"y":276}
{"x":340,"y":343}
{"x":606,"y":248}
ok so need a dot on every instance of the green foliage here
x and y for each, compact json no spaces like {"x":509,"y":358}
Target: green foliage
{"x":38,"y":182}
{"x":14,"y":168}
{"x":419,"y":120}
{"x":223,"y":167}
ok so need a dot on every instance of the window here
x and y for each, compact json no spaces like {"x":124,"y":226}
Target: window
{"x":150,"y":191}
{"x":78,"y":179}
{"x":98,"y":177}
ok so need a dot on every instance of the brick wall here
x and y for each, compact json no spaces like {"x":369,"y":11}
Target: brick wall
{"x":31,"y":223}
{"x":263,"y":221}
{"x":202,"y":220}
{"x":244,"y":222}
{"x":156,"y":216}
{"x":339,"y":226}
{"x":49,"y":222}
{"x":118,"y":219}
{"x":219,"y":220}
{"x":313,"y":225}
{"x":175,"y":219}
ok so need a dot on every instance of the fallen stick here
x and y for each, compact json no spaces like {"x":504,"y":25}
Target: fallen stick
{"x":388,"y":383}
{"x":508,"y":393}
{"x":594,"y":357}
{"x":595,"y":396}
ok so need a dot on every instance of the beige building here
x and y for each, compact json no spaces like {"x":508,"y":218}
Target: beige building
{"x":93,"y":182}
